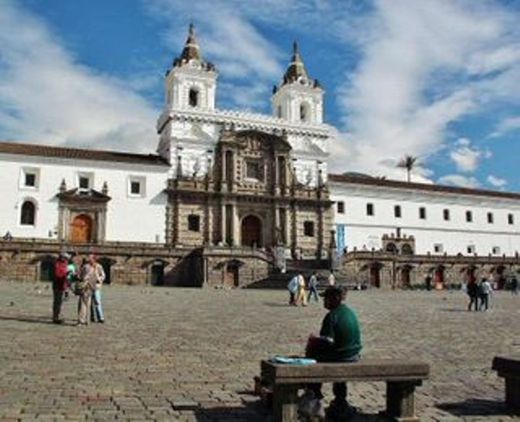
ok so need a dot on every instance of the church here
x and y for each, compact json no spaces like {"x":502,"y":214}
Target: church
{"x":236,"y":198}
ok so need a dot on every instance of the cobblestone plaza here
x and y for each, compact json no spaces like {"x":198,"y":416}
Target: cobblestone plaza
{"x":190,"y":354}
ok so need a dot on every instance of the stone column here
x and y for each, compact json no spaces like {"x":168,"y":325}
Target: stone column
{"x":223,"y":224}
{"x":234,"y":225}
{"x":276,"y":189}
{"x":223,"y":180}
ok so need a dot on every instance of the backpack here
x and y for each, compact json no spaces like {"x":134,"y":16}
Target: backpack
{"x":60,"y":270}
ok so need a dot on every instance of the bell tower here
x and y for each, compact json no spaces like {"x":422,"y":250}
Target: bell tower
{"x":191,"y":82}
{"x":298,"y":99}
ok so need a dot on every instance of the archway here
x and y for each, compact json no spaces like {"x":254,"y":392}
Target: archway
{"x":231,"y":275}
{"x":405,"y":276}
{"x":406,"y":249}
{"x":157,"y":273}
{"x":391,"y":248}
{"x":439,"y":278}
{"x":81,"y":229}
{"x":251,"y":231}
{"x":375,"y":275}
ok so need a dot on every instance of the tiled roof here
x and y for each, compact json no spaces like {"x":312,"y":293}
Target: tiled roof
{"x":373,"y":181}
{"x":80,"y":154}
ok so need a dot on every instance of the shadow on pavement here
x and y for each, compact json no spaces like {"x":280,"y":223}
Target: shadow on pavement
{"x":475,"y":407}
{"x":33,"y":320}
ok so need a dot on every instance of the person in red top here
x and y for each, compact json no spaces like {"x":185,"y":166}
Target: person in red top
{"x":59,"y":285}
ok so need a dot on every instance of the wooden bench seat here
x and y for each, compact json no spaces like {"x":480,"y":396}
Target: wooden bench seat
{"x":401,"y":378}
{"x":509,"y":369}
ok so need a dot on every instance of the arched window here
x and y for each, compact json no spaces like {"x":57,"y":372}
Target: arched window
{"x":304,"y":112}
{"x":28,"y":214}
{"x":194,"y":97}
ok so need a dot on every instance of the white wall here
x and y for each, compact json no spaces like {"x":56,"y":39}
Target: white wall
{"x":454,"y":235}
{"x":128,"y":218}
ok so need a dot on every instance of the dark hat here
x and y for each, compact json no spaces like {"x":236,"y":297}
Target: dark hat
{"x":334,"y":291}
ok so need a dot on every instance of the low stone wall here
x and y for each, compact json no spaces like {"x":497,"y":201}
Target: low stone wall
{"x":385,"y":270}
{"x":137,"y":263}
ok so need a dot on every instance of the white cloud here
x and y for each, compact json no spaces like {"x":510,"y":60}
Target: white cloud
{"x":496,"y":182}
{"x":507,"y":125}
{"x":459,"y":180}
{"x":466,"y":157}
{"x":47,"y":96}
{"x":227,"y":37}
{"x":425,"y":65}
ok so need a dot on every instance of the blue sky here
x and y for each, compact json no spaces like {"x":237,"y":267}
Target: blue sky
{"x":438,"y":79}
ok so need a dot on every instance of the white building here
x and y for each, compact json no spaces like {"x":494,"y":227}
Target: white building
{"x":442,"y":219}
{"x":98,"y":196}
{"x":81,"y":195}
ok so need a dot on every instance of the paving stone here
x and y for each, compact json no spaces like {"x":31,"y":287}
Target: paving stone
{"x":191,"y":355}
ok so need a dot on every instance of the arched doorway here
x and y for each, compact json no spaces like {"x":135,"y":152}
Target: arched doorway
{"x":107,"y":263}
{"x":231,"y":275}
{"x":251,"y":231}
{"x":439,"y":277}
{"x":81,"y":229}
{"x":157,"y":273}
{"x":405,"y":276}
{"x":47,"y":268}
{"x":375,"y":274}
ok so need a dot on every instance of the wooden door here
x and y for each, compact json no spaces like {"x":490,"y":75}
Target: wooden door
{"x":81,"y":229}
{"x":251,"y":231}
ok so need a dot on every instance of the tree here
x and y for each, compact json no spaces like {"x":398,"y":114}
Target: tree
{"x":408,"y":162}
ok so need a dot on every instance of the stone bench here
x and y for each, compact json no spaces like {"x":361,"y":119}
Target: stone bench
{"x":509,"y":368}
{"x":401,"y":378}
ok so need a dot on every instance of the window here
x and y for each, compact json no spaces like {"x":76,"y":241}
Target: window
{"x":194,"y":97}
{"x":495,"y":250}
{"x":397,"y":211}
{"x":490,"y":217}
{"x":28,"y":214}
{"x":470,"y":249}
{"x":304,"y":115}
{"x":30,"y":178}
{"x":370,"y":209}
{"x":84,"y":182}
{"x":422,"y":213}
{"x":136,"y":186}
{"x":446,"y":214}
{"x":341,"y":207}
{"x":254,"y":170}
{"x":279,"y":111}
{"x":438,"y":248}
{"x":193,"y":223}
{"x":469,"y":216}
{"x":510,"y":219}
{"x":308,"y":228}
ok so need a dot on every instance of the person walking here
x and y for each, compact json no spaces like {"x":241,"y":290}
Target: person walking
{"x":59,"y":284}
{"x":514,"y":286}
{"x":301,"y":296}
{"x":332,"y":279}
{"x":472,"y":290}
{"x":90,"y":272}
{"x":313,"y":287}
{"x":485,"y":290}
{"x":292,"y":286}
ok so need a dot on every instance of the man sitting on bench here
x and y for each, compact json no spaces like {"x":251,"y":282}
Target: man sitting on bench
{"x":339,"y":341}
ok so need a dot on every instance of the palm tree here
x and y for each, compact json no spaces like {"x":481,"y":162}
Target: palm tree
{"x":408,"y":162}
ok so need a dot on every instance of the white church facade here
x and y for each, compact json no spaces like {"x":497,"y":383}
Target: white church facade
{"x":229,"y":195}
